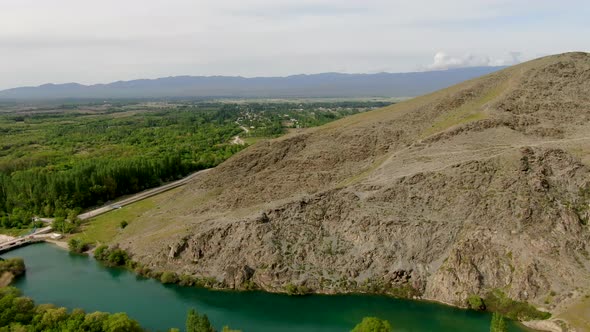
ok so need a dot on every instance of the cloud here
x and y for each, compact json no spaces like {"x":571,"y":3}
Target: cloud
{"x":102,"y":41}
{"x":444,"y":61}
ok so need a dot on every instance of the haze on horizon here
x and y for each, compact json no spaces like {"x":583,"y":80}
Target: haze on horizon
{"x":98,"y":42}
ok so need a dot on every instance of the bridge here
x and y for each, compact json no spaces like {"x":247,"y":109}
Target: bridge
{"x":38,"y":236}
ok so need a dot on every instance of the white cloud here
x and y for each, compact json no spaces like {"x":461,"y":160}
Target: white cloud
{"x":101,"y":41}
{"x":444,"y":61}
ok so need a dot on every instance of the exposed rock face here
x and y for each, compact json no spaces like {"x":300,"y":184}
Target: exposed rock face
{"x":478,"y":187}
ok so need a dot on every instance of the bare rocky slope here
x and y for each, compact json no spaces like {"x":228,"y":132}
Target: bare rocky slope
{"x":481,"y":186}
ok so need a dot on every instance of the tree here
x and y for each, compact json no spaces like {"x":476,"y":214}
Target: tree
{"x":372,"y":324}
{"x":118,"y":257}
{"x":124,"y":224}
{"x":198,"y":323}
{"x":74,"y":245}
{"x":120,"y":322}
{"x":73,"y":215}
{"x":498,"y":323}
{"x":101,"y":252}
{"x":77,"y":246}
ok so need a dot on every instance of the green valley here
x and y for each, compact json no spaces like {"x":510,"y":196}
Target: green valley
{"x":56,"y":160}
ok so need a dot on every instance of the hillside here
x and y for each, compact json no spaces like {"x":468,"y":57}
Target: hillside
{"x":307,"y":86}
{"x":481,"y":186}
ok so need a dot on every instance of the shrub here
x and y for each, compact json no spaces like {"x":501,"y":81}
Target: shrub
{"x":113,"y":257}
{"x":498,"y":324}
{"x":249,"y":285}
{"x":124,"y":224}
{"x":372,"y":324}
{"x":497,"y":301}
{"x":207,"y":282}
{"x":16,"y":266}
{"x":118,"y":257}
{"x":198,"y":323}
{"x":186,"y":280}
{"x":476,"y":303}
{"x":77,"y":246}
{"x":155,"y":274}
{"x":143,"y":271}
{"x":101,"y":252}
{"x":228,"y":329}
{"x":168,"y":277}
{"x":63,"y":226}
{"x":296,"y":290}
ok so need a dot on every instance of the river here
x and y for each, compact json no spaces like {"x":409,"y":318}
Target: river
{"x":73,"y":281}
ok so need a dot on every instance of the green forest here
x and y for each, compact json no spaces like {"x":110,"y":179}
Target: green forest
{"x":57,"y":161}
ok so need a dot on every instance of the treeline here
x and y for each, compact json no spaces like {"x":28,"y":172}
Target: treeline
{"x":19,"y":313}
{"x":78,"y":161}
{"x":47,"y":192}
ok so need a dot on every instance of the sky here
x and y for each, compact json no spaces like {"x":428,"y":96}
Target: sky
{"x":89,"y":42}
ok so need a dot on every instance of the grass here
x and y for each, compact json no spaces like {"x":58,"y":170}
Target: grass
{"x":469,"y":112}
{"x":253,"y":140}
{"x":578,"y":315}
{"x":104,"y":228}
{"x":14,"y":231}
{"x":498,"y":301}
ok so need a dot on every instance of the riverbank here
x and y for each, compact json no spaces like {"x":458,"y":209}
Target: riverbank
{"x":548,"y":326}
{"x":498,"y":302}
{"x":48,"y":280}
{"x":536,"y":325}
{"x":6,"y":279}
{"x":59,"y":244}
{"x":10,"y":269}
{"x":543,"y":325}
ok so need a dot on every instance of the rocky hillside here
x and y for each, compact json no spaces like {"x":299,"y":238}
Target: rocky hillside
{"x":481,"y":186}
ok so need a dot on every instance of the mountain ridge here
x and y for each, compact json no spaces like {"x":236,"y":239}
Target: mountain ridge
{"x":302,"y":85}
{"x":479,"y":188}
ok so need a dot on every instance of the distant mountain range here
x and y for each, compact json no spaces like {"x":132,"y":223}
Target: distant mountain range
{"x":316,"y":85}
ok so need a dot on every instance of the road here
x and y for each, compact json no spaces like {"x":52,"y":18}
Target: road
{"x":139,"y":196}
{"x":236,"y":140}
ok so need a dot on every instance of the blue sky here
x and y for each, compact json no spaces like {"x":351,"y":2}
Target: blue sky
{"x":101,"y":41}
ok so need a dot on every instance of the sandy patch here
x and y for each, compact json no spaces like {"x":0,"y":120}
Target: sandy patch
{"x":61,"y":244}
{"x":5,"y":279}
{"x":5,"y":238}
{"x":543,"y":325}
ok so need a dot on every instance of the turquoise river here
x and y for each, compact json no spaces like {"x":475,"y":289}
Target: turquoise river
{"x":55,"y":276}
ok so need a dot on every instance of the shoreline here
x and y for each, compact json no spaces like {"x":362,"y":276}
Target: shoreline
{"x":543,"y":325}
{"x":537,"y":325}
{"x":59,"y":244}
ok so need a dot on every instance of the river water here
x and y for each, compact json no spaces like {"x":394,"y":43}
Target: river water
{"x":73,"y":281}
